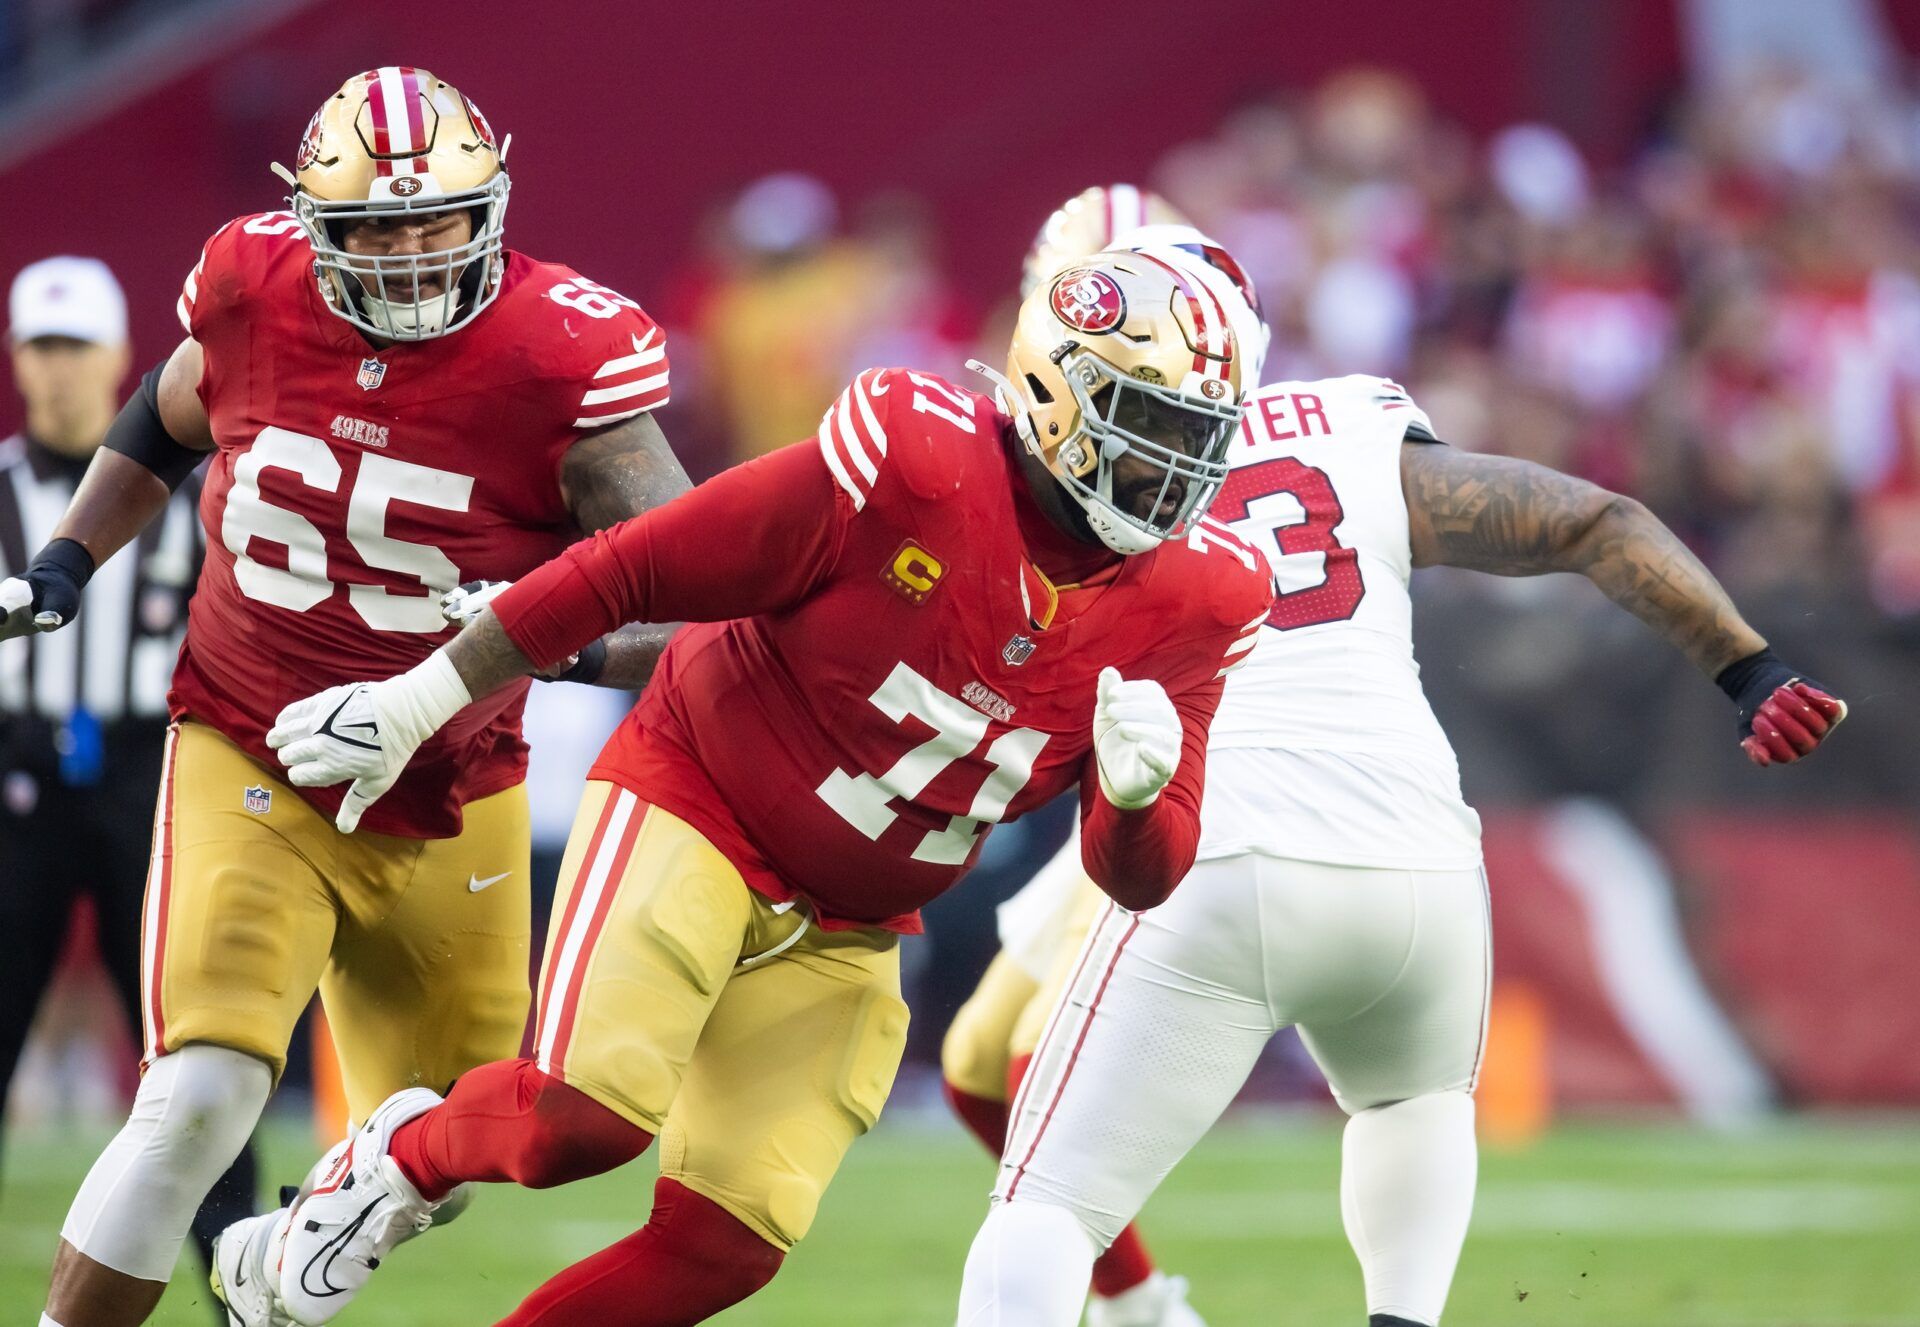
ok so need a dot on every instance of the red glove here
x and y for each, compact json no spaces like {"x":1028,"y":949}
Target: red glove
{"x":1791,"y":722}
{"x":1784,"y":714}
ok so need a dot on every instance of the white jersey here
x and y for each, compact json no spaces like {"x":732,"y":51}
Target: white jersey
{"x":1324,"y":748}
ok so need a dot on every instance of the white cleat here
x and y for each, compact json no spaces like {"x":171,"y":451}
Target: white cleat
{"x":360,"y":1208}
{"x":246,"y":1270}
{"x":1158,"y":1301}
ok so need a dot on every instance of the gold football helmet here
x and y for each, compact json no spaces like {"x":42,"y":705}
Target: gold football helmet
{"x":1089,"y":222}
{"x":1127,"y":355}
{"x":397,"y":140}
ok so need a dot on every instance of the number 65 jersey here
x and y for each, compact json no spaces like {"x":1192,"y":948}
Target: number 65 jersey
{"x":352,"y":485}
{"x":1324,"y":747}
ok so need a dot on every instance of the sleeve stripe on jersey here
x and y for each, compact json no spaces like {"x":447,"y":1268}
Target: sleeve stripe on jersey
{"x":1244,"y":643}
{"x":850,"y":441}
{"x":868,"y":418}
{"x":186,"y":314}
{"x":193,"y":286}
{"x":845,"y":438}
{"x":596,"y":421}
{"x":651,"y":390}
{"x":645,"y":353}
{"x":624,"y":390}
{"x":839,"y":467}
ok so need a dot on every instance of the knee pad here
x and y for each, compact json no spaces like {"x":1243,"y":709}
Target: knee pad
{"x":569,"y":1136}
{"x":193,"y":1113}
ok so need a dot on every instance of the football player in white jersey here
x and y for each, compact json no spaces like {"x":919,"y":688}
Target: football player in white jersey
{"x":991,"y":1039}
{"x":1339,"y":886}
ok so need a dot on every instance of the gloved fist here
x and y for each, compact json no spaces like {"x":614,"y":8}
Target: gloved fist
{"x":462,"y":605}
{"x":46,"y":596}
{"x":366,"y":732}
{"x":1791,"y":722}
{"x":1136,"y":739}
{"x":1784,"y":715}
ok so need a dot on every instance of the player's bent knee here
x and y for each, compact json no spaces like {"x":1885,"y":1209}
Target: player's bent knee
{"x":194,"y":1111}
{"x":703,"y":1231}
{"x":569,"y":1136}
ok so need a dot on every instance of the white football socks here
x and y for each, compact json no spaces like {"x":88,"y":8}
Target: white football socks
{"x":1406,"y":1191}
{"x":1029,"y":1267}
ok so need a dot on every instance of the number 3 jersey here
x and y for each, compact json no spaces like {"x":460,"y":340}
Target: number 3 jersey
{"x":898,"y":675}
{"x":1325,"y":748}
{"x":352,"y":485}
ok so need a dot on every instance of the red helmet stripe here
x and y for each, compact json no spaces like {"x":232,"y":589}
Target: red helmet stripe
{"x":416,"y":126}
{"x":377,"y":104}
{"x":1201,"y":326}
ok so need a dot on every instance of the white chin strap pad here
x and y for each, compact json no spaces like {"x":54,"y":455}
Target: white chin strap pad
{"x":193,"y":1113}
{"x":1115,"y":534}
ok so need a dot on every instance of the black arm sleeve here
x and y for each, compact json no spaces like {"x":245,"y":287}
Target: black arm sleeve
{"x":138,"y":434}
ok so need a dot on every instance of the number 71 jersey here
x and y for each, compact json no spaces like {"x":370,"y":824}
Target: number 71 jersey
{"x":351,"y":485}
{"x":915,"y":679}
{"x":1330,"y":751}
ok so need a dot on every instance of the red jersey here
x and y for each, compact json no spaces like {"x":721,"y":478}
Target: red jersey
{"x":898,"y":675}
{"x":352,"y":485}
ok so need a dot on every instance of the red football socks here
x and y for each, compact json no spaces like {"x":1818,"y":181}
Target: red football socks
{"x":507,"y":1121}
{"x":985,"y":1120}
{"x":692,"y":1259}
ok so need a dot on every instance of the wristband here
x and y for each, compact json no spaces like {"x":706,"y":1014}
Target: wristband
{"x":587,"y":667}
{"x":68,"y":557}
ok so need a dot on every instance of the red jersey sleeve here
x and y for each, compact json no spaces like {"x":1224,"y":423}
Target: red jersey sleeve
{"x":1138,"y":857}
{"x":618,"y":363}
{"x":754,"y":539}
{"x":750,"y":540}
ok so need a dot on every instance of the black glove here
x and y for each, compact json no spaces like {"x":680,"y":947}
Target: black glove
{"x":46,"y":596}
{"x":1784,"y":714}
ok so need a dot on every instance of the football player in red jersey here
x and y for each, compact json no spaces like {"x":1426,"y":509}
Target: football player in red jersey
{"x":942,"y":611}
{"x":392,"y":402}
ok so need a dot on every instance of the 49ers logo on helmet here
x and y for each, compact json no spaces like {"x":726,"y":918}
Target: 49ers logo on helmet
{"x":1088,"y":300}
{"x":310,"y":143}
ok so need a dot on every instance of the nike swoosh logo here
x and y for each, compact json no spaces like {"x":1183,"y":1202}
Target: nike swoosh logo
{"x":327,"y":728}
{"x":475,"y":884}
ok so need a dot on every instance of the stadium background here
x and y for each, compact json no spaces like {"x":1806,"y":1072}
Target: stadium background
{"x":1667,"y":245}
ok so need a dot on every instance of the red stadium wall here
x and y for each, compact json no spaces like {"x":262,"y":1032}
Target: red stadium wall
{"x":1802,"y":935}
{"x":631,"y":120}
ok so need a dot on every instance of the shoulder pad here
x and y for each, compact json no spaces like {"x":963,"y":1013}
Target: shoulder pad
{"x":917,"y":427}
{"x":607,"y":357}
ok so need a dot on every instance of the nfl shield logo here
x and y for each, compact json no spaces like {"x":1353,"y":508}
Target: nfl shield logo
{"x":1018,"y":651}
{"x":371,"y":372}
{"x":259,"y":800}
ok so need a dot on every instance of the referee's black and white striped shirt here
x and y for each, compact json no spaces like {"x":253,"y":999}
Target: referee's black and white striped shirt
{"x":115,"y":661}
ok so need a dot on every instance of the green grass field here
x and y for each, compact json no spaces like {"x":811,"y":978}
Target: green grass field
{"x":1797,"y":1225}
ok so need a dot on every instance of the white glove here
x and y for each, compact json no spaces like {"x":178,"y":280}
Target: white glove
{"x":366,"y":732}
{"x":1136,"y":739}
{"x":462,"y":604}
{"x":17,"y":617}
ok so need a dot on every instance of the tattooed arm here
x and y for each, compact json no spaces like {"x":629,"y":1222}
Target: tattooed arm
{"x":607,"y":477}
{"x":1514,"y":518}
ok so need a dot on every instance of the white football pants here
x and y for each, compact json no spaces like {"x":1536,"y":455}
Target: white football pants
{"x":1386,"y":974}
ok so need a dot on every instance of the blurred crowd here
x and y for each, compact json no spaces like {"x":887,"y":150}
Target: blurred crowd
{"x":1726,"y":325}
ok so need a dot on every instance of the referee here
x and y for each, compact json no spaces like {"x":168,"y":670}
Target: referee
{"x":83,"y":712}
